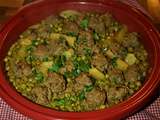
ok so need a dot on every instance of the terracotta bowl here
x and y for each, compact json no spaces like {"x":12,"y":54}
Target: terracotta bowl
{"x":37,"y":11}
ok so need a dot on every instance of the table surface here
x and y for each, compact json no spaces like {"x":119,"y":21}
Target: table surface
{"x":150,"y":112}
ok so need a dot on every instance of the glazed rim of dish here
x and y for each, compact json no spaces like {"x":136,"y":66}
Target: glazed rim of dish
{"x":130,"y":105}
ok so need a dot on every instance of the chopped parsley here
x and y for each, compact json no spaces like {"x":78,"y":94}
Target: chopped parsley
{"x":113,"y":61}
{"x":72,"y":33}
{"x":95,"y":36}
{"x":30,"y":59}
{"x":59,"y":62}
{"x":84,"y":23}
{"x":59,"y":102}
{"x":88,"y":51}
{"x":39,"y":77}
{"x":74,"y":73}
{"x":34,"y":42}
{"x":81,"y":65}
{"x":81,"y":96}
{"x":88,"y":88}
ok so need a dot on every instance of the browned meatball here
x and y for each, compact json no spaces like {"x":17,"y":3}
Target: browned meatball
{"x":55,"y":82}
{"x":100,"y":28}
{"x":131,"y":74}
{"x":93,"y":21}
{"x":115,"y":48}
{"x":88,"y":37}
{"x":22,"y":68}
{"x":115,"y":77}
{"x":116,"y":95}
{"x":40,"y":95}
{"x":70,"y":27}
{"x":41,"y":51}
{"x":107,"y":19}
{"x":52,"y":19}
{"x":94,"y":98}
{"x":131,"y":40}
{"x":56,"y":47}
{"x":85,"y":41}
{"x":81,"y":81}
{"x":99,"y":61}
{"x":100,"y":23}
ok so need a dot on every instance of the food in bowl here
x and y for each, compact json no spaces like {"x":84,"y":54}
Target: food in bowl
{"x":77,"y":61}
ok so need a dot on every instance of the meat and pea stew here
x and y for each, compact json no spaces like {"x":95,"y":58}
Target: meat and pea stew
{"x":77,"y":61}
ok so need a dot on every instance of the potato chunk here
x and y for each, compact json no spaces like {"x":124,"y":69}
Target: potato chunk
{"x":121,"y":64}
{"x":95,"y":73}
{"x":70,"y":40}
{"x":130,"y":58}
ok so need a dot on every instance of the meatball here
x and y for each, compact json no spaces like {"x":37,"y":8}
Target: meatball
{"x":99,"y":61}
{"x":70,"y":27}
{"x":93,"y":21}
{"x":86,"y":38}
{"x":85,"y":41}
{"x":41,"y":51}
{"x":40,"y":95}
{"x":131,"y":74}
{"x":115,"y":48}
{"x":98,"y":25}
{"x":56,"y":47}
{"x":55,"y":82}
{"x":107,"y":19}
{"x":81,"y":81}
{"x":94,"y":98}
{"x":116,"y":95}
{"x":131,"y":40}
{"x":115,"y":77}
{"x":22,"y":68}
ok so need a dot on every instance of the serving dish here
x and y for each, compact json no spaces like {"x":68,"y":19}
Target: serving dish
{"x":37,"y":11}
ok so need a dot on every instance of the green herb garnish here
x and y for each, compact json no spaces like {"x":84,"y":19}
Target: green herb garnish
{"x":74,"y":73}
{"x":30,"y":59}
{"x":30,"y":48}
{"x":84,"y":23}
{"x":95,"y":36}
{"x":81,"y":66}
{"x":88,"y":88}
{"x":59,"y":62}
{"x":71,"y":33}
{"x":39,"y":77}
{"x":45,"y":59}
{"x":59,"y":102}
{"x":113,"y":61}
{"x":88,"y":51}
{"x":54,"y":68}
{"x":34,"y":42}
{"x":82,"y":96}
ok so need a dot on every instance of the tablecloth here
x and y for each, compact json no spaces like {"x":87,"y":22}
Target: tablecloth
{"x":151,"y":112}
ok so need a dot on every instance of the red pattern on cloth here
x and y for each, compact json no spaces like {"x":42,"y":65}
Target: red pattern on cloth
{"x":152,"y":112}
{"x":8,"y":113}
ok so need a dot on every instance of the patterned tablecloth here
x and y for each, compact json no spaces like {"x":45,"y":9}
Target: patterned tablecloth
{"x":150,"y":112}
